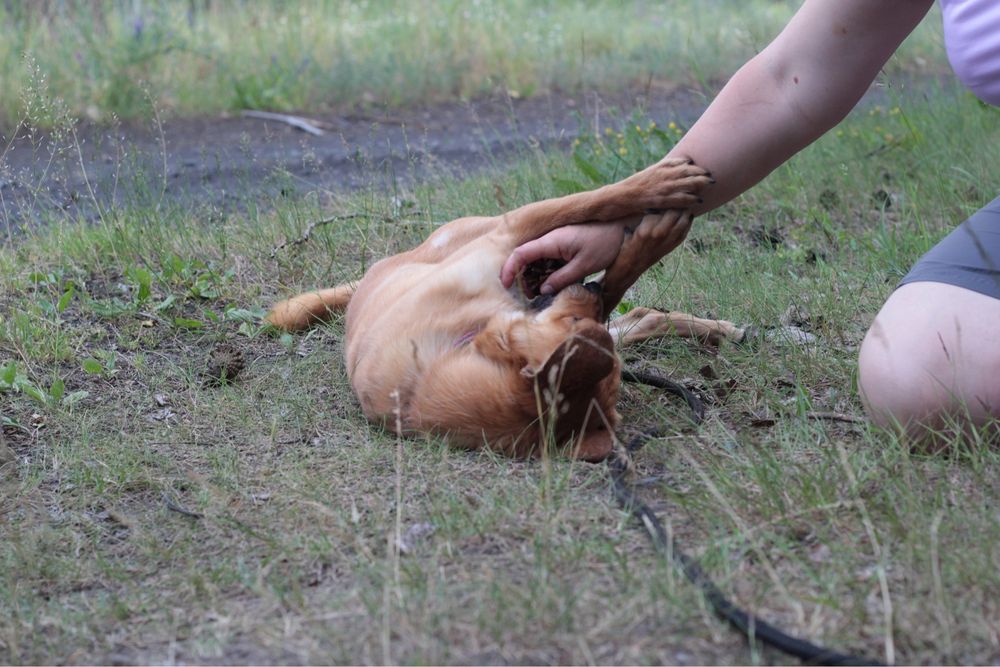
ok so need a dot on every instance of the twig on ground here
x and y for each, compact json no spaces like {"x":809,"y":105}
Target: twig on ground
{"x":150,"y":316}
{"x":174,"y":507}
{"x":312,"y":226}
{"x":299,"y":123}
{"x":306,"y":235}
{"x":835,"y":416}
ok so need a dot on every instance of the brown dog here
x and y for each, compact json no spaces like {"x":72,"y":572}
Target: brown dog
{"x":435,"y":344}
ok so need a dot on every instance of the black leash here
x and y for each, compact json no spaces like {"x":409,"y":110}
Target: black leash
{"x":748,"y":624}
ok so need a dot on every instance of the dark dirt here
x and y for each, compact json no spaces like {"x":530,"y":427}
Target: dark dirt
{"x":220,"y":163}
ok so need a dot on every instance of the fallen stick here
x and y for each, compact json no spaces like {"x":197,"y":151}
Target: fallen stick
{"x":174,"y":507}
{"x":313,"y":225}
{"x":297,"y":122}
{"x":307,"y":234}
{"x":835,"y":416}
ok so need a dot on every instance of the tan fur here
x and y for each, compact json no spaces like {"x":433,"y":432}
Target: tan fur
{"x":432,"y":333}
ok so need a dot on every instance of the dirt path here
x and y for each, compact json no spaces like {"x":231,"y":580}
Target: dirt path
{"x":221,"y":163}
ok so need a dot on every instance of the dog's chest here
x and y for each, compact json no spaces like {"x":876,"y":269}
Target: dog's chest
{"x":473,"y":273}
{"x":418,"y":311}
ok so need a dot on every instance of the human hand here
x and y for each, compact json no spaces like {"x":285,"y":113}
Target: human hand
{"x":586,"y":248}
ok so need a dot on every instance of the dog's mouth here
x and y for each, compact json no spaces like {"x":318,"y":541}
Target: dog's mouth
{"x":534,"y":275}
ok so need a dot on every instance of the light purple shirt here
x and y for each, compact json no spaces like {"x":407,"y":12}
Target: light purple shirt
{"x":972,"y":38}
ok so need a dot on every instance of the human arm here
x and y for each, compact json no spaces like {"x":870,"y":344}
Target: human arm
{"x":801,"y":85}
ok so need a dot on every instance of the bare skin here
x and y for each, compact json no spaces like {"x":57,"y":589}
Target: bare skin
{"x":782,"y":100}
{"x":930,"y":362}
{"x":795,"y":90}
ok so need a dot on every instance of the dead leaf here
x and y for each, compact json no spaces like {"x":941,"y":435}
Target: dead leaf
{"x":723,"y":389}
{"x":708,"y":372}
{"x":766,"y":237}
{"x":795,"y":315}
{"x":162,"y":415}
{"x":414,"y":535}
{"x":789,"y":335}
{"x":820,"y":553}
{"x":762,"y":420}
{"x":8,"y":461}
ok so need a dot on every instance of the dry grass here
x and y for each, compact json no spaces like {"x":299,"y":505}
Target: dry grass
{"x":161,"y":518}
{"x":108,"y":59}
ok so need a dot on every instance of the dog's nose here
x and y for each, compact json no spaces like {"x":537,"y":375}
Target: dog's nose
{"x":593,"y":287}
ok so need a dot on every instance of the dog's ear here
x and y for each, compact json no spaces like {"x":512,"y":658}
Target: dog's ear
{"x":494,"y":342}
{"x":582,"y":360}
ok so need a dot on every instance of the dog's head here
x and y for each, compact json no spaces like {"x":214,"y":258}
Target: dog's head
{"x":560,"y":366}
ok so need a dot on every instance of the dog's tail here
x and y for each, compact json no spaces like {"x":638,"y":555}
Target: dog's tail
{"x":303,"y":311}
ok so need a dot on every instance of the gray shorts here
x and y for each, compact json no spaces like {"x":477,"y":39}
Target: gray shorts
{"x":968,"y":257}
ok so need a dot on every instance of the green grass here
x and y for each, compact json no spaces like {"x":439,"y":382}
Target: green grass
{"x":821,"y":526}
{"x":103,"y":60}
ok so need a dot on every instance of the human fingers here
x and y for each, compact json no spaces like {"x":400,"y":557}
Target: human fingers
{"x":532,"y":251}
{"x":575,"y":271}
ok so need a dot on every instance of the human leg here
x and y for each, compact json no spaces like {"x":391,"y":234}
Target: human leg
{"x":932,"y":355}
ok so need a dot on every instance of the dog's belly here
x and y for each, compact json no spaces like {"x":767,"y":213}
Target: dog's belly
{"x":407,"y":316}
{"x":469,"y":270}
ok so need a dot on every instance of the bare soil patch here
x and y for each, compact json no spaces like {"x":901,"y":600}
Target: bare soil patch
{"x":219,"y":162}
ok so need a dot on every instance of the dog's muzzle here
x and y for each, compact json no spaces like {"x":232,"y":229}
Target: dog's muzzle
{"x":541,"y":302}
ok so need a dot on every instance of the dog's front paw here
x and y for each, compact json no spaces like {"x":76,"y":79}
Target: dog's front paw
{"x":670,"y":183}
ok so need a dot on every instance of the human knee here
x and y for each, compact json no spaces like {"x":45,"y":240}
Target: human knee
{"x":918,"y":377}
{"x":893,"y":383}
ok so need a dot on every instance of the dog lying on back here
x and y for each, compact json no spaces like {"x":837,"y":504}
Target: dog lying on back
{"x":436,"y":345}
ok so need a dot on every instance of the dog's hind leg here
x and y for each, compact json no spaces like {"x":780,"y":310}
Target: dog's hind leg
{"x":302,"y":311}
{"x":642,"y":323}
